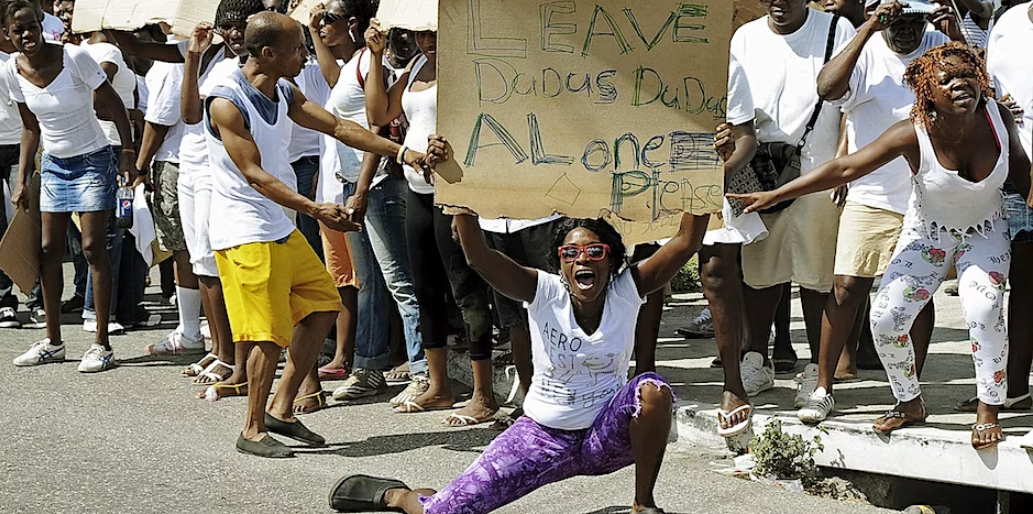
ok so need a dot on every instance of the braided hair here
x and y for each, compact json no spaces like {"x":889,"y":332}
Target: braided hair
{"x":237,"y":10}
{"x":607,"y":235}
{"x":362,"y":10}
{"x":920,"y":77}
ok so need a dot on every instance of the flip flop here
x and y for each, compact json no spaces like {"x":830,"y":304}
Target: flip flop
{"x":399,"y":375}
{"x":333,"y":373}
{"x":320,"y":397}
{"x":464,"y":421}
{"x":410,"y":407}
{"x":196,"y":368}
{"x":977,"y":430}
{"x":908,"y":421}
{"x":293,"y":429}
{"x":211,"y":375}
{"x":738,"y":428}
{"x":212,"y":394}
{"x":1009,"y":404}
{"x":362,"y":493}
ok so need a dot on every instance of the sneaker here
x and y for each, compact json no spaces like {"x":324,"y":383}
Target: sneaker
{"x":90,"y":325}
{"x":97,"y":359}
{"x":361,"y":383}
{"x":9,"y":318}
{"x":152,"y":320}
{"x":175,"y":343}
{"x":806,"y":382}
{"x":41,"y":352}
{"x":38,"y":316}
{"x":756,"y":377}
{"x":420,"y":384}
{"x":702,"y":326}
{"x":817,"y":407}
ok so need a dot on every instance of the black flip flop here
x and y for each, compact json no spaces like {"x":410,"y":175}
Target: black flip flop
{"x":295,"y":430}
{"x":362,"y":493}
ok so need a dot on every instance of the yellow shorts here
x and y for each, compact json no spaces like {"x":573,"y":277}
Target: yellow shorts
{"x":270,"y":287}
{"x":867,"y":239}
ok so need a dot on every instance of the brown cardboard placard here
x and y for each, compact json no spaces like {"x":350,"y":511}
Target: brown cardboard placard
{"x":183,"y":15}
{"x":414,"y":15}
{"x":747,"y":11}
{"x":22,"y":243}
{"x":583,"y":108}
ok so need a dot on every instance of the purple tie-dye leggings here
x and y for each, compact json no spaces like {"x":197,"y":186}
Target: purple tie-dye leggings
{"x":528,"y":456}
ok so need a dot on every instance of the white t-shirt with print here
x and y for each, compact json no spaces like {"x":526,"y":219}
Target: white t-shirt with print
{"x":878,"y":99}
{"x":164,"y":98}
{"x":10,"y":119}
{"x":576,"y":374}
{"x":53,"y":28}
{"x":1009,"y":65}
{"x":124,"y":83}
{"x":782,"y":72}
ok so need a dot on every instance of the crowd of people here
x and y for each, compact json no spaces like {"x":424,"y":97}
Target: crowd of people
{"x":290,"y":176}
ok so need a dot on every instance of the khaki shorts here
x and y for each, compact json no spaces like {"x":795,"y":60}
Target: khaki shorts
{"x":867,"y":239}
{"x":800,"y":247}
{"x":271,"y":287}
{"x":165,"y":207}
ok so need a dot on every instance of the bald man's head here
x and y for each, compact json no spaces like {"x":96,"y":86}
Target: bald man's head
{"x":277,"y":41}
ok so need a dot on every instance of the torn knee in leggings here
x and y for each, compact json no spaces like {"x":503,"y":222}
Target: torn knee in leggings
{"x":653,"y":391}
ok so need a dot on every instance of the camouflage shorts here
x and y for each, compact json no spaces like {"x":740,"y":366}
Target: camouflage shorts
{"x":165,"y":206}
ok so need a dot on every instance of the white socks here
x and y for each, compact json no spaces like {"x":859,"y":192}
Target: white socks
{"x":189,"y":303}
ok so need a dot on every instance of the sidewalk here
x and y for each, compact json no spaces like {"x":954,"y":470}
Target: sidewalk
{"x":940,"y":451}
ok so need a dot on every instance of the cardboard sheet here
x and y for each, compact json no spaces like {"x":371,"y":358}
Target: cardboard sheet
{"x":22,"y":243}
{"x":413,"y":14}
{"x":183,"y":15}
{"x":584,"y":108}
{"x":747,"y":11}
{"x":303,"y":12}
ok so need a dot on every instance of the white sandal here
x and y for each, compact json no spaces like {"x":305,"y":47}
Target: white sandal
{"x":211,"y":375}
{"x":196,"y":368}
{"x":738,"y":428}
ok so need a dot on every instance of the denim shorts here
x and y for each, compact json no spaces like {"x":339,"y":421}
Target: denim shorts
{"x":83,"y":183}
{"x":1020,"y":218}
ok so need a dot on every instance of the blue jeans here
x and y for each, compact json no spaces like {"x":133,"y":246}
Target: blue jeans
{"x":384,"y":235}
{"x":305,"y":169}
{"x":114,"y":245}
{"x":9,"y":155}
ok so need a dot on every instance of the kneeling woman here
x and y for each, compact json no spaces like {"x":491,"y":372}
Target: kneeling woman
{"x":583,"y":416}
{"x":962,"y":147}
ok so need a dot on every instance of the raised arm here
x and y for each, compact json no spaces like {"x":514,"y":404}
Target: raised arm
{"x":27,"y":156}
{"x":190,"y":104}
{"x":982,"y":11}
{"x":147,"y":49}
{"x":500,"y":272}
{"x":898,"y":140}
{"x":652,"y":274}
{"x":228,"y":122}
{"x":325,"y":56}
{"x":382,"y":105}
{"x":834,"y":79}
{"x":1018,"y":163}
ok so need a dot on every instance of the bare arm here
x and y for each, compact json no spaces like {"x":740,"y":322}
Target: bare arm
{"x":111,"y":105}
{"x":191,"y":109}
{"x":227,"y":120}
{"x":148,"y":50}
{"x":110,"y":70}
{"x":893,"y":143}
{"x":744,"y":137}
{"x":834,"y":79}
{"x":382,"y":105}
{"x":327,"y":61}
{"x":356,"y":204}
{"x":27,"y":156}
{"x":1018,"y":162}
{"x":153,"y":137}
{"x":652,"y":274}
{"x":982,"y":10}
{"x":500,"y":272}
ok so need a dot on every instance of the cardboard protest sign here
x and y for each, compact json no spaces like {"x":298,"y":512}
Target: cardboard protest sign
{"x":22,"y":243}
{"x":583,"y":108}
{"x":747,"y":11}
{"x":183,"y":15}
{"x":415,"y":15}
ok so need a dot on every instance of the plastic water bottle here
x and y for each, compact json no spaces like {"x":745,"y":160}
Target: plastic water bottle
{"x":124,"y":212}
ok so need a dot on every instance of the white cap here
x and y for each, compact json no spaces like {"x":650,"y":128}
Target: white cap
{"x":915,"y":6}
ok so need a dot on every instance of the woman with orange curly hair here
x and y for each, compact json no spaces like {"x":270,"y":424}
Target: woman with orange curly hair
{"x":961,"y":147}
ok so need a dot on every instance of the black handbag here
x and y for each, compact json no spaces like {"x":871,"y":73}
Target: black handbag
{"x":778,"y":163}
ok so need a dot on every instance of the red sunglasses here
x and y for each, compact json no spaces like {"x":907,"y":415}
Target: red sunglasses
{"x":594,"y":252}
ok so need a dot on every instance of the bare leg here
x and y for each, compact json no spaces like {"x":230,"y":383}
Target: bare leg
{"x":723,"y":289}
{"x":52,"y":279}
{"x":483,"y":404}
{"x":647,"y":332}
{"x":760,"y":313}
{"x":649,"y":434}
{"x":262,"y":369}
{"x":922,"y":335}
{"x":439,"y":395}
{"x":783,"y":345}
{"x":94,"y":247}
{"x":408,"y":501}
{"x":301,"y":361}
{"x":218,"y":318}
{"x":838,"y":322}
{"x":846,"y":368}
{"x":520,"y":339}
{"x":814,"y":304}
{"x":346,"y":326}
{"x":185,"y":276}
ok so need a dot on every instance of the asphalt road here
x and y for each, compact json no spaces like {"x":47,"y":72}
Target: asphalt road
{"x":134,"y":439}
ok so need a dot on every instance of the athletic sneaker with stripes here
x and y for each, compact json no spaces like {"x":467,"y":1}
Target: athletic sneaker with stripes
{"x":41,"y":352}
{"x":361,"y":384}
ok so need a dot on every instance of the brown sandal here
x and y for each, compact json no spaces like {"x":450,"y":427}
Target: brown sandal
{"x":893,"y":414}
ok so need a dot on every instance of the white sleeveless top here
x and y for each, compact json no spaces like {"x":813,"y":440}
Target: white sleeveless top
{"x":240,"y":214}
{"x":421,"y":109}
{"x":942,"y":200}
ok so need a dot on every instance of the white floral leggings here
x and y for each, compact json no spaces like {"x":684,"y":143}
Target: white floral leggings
{"x":918,"y":267}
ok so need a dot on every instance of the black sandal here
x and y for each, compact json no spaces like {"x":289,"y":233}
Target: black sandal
{"x":295,"y":430}
{"x":362,"y":493}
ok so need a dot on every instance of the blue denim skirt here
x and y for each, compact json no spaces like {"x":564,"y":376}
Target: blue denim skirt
{"x":83,"y":183}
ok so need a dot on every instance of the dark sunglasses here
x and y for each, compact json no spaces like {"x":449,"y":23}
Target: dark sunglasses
{"x":329,"y":17}
{"x":594,"y":252}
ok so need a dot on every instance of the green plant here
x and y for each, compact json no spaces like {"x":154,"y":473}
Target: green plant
{"x":687,"y":280}
{"x":784,"y":456}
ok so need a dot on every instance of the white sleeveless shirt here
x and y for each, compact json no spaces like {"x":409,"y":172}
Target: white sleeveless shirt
{"x":421,"y":109}
{"x":240,"y":214}
{"x":942,"y":200}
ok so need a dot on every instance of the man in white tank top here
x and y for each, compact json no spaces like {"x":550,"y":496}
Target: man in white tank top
{"x":255,"y":242}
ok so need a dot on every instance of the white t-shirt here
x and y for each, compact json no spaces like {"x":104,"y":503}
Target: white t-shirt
{"x":782,"y":72}
{"x":10,"y":119}
{"x":64,"y":109}
{"x":349,"y":103}
{"x":193,"y":148}
{"x":142,"y":91}
{"x":164,"y":87}
{"x":421,"y":109}
{"x":1011,"y":39}
{"x":878,"y":99}
{"x":124,"y":83}
{"x":305,"y":142}
{"x":577,"y":374}
{"x":245,"y":215}
{"x":53,"y":27}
